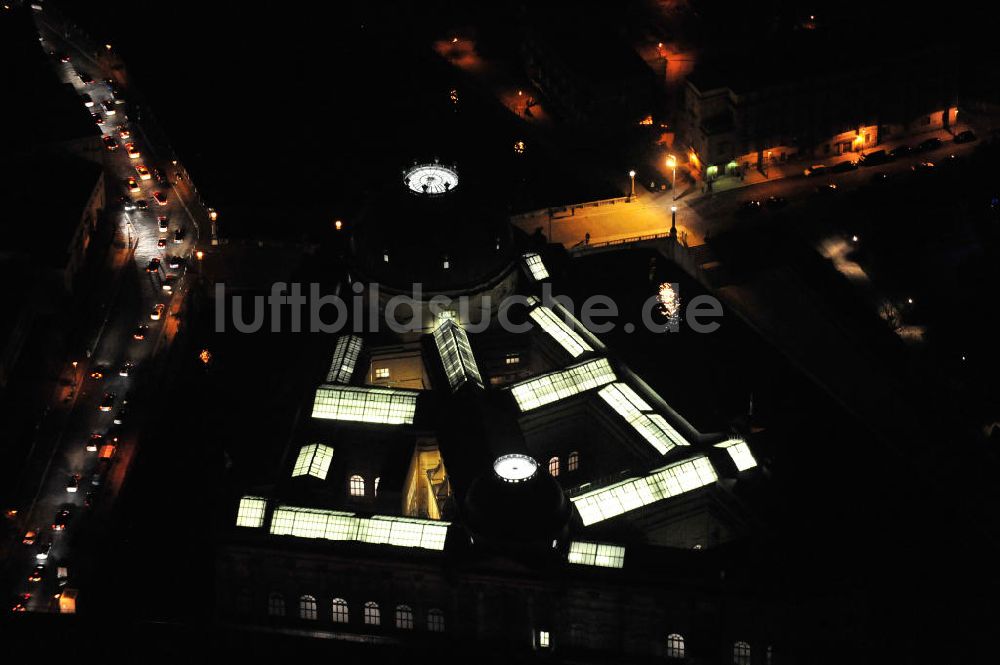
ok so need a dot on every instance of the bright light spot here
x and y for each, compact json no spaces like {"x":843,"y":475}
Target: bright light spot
{"x":669,"y":303}
{"x":199,"y":255}
{"x":205,"y":356}
{"x":519,"y":147}
{"x":909,"y":301}
{"x":631,"y":174}
{"x":454,"y":40}
{"x":107,"y":46}
{"x":854,"y":238}
{"x":431,"y":179}
{"x":338,"y":225}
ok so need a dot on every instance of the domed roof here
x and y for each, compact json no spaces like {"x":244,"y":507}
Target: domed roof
{"x":432,"y":226}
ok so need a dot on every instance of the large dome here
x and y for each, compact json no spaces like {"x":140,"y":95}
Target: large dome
{"x":434,"y":226}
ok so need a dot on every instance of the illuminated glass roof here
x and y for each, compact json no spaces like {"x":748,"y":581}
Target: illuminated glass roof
{"x":345,"y":358}
{"x":377,"y":529}
{"x":251,"y":511}
{"x":596,"y":554}
{"x":619,"y":498}
{"x":554,"y":386}
{"x":652,"y":426}
{"x":431,"y":179}
{"x":739,"y":452}
{"x":313,"y":460}
{"x":385,"y":406}
{"x":456,"y":354}
{"x":557,"y":329}
{"x":535,"y":266}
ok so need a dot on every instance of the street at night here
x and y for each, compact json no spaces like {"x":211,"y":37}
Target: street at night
{"x":648,"y":332}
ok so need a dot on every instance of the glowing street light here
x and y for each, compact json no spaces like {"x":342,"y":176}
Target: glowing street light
{"x":199,"y":255}
{"x":631,"y":175}
{"x":212,"y":214}
{"x":107,"y":46}
{"x":338,"y":225}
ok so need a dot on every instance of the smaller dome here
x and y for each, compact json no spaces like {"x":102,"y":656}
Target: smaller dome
{"x":430,"y":179}
{"x":515,"y":468}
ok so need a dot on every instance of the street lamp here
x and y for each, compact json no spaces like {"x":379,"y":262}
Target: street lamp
{"x":631,"y":175}
{"x":672,"y":165}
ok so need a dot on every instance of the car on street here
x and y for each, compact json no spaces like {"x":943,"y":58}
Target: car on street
{"x":120,"y":416}
{"x":73,"y":483}
{"x":153,"y":265}
{"x":88,"y":101}
{"x":30,"y":536}
{"x":900,"y":151}
{"x":140,"y":332}
{"x":142,"y":204}
{"x":125,"y":369}
{"x":85,"y":78}
{"x":775,"y":202}
{"x":965,"y":137}
{"x":133,"y":185}
{"x":875,"y":158}
{"x":932,"y":143}
{"x":827,"y":189}
{"x":63,"y":57}
{"x":97,"y":118}
{"x":98,"y":371}
{"x":59,"y":521}
{"x":143,"y":172}
{"x":163,"y":223}
{"x":157,"y":312}
{"x":168,"y":283}
{"x":108,"y":402}
{"x":748,"y":208}
{"x":42,"y":553}
{"x":129,"y":205}
{"x":922,"y":166}
{"x":88,"y":499}
{"x":36,"y":574}
{"x":110,"y":143}
{"x":94,"y":442}
{"x":174,"y":262}
{"x":179,"y":236}
{"x":844,"y":166}
{"x":815,"y":169}
{"x":109,"y":107}
{"x":124,"y":133}
{"x":98,"y":476}
{"x":160,"y":198}
{"x":159,"y":177}
{"x":20,"y":602}
{"x":133,"y":152}
{"x":161,"y":243}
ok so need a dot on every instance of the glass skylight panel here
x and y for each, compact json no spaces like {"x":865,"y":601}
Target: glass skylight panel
{"x":456,"y":354}
{"x":535,"y":266}
{"x":385,"y":406}
{"x":554,"y":386}
{"x":652,"y":426}
{"x":596,"y":554}
{"x":313,"y":460}
{"x":345,"y":359}
{"x":619,"y":498}
{"x":251,"y":512}
{"x":378,"y":529}
{"x":740,"y":453}
{"x":557,"y":329}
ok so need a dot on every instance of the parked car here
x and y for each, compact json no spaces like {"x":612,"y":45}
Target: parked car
{"x":844,"y":166}
{"x":816,"y":169}
{"x":875,"y":158}
{"x":932,"y":143}
{"x":900,"y":151}
{"x":965,"y":137}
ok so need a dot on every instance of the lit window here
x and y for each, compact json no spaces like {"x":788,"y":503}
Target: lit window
{"x":435,"y":621}
{"x":513,"y":359}
{"x":313,"y":460}
{"x":404,"y":617}
{"x":375,"y":489}
{"x":651,"y":426}
{"x":446,"y":315}
{"x":345,"y":358}
{"x":621,"y":497}
{"x":557,"y":329}
{"x":739,"y":452}
{"x":386,"y":406}
{"x":554,"y":467}
{"x":741,"y":653}
{"x":340,"y":612}
{"x":251,"y":512}
{"x":385,"y":256}
{"x":381,"y":372}
{"x":596,"y":554}
{"x":535,"y":266}
{"x":446,"y":264}
{"x":357,"y":486}
{"x":675,"y":646}
{"x":456,"y":355}
{"x":307,"y":608}
{"x":573,"y":461}
{"x":543,"y":639}
{"x":373,"y":616}
{"x":377,"y":529}
{"x":554,"y":386}
{"x":276,"y":605}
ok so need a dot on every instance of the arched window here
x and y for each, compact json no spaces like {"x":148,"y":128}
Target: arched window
{"x":377,"y":479}
{"x":340,"y":613}
{"x":675,"y":646}
{"x":435,"y":621}
{"x":357,"y":485}
{"x":373,"y":616}
{"x":307,"y":607}
{"x":554,"y":466}
{"x":244,"y":601}
{"x":741,"y":653}
{"x":404,"y":617}
{"x":573,"y":461}
{"x":276,"y":605}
